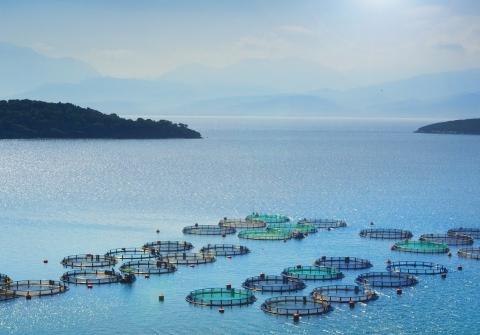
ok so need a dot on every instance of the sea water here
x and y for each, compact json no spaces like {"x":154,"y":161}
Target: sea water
{"x":59,"y":198}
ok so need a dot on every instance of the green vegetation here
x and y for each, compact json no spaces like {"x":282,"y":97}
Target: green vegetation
{"x":26,"y":119}
{"x":467,"y":127}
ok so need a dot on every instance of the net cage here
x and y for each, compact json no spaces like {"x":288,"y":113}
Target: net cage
{"x":344,"y":263}
{"x":312,"y":273}
{"x":417,"y":268}
{"x":294,"y":227}
{"x":224,"y":250}
{"x":151,"y":267}
{"x":290,"y":305}
{"x":473,"y":253}
{"x":265,"y":234}
{"x":187,"y":258}
{"x":34,"y":288}
{"x":221,"y":297}
{"x":89,"y":261}
{"x":273,"y":283}
{"x":197,"y":229}
{"x":268,"y":218}
{"x":4,"y":295}
{"x":421,"y":247}
{"x":4,"y":279}
{"x":132,"y":253}
{"x":343,"y":293}
{"x":472,"y":232}
{"x":241,"y":223}
{"x":386,"y":233}
{"x":324,"y":223}
{"x":386,"y":279}
{"x":450,"y":239}
{"x":168,"y":246}
{"x":91,"y":276}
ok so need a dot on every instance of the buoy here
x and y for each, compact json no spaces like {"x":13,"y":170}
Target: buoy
{"x":459,"y":268}
{"x":329,"y":228}
{"x":158,"y":231}
{"x":229,"y":286}
{"x":89,"y":285}
{"x":262,"y":276}
{"x":449,"y":254}
{"x":45,"y":261}
{"x":147,"y":276}
{"x":388,"y":261}
{"x":28,"y":297}
{"x":285,"y":240}
{"x":224,"y":235}
{"x":351,"y":303}
{"x":161,"y":297}
{"x":371,"y":223}
{"x":229,"y":257}
{"x":399,"y":291}
{"x":221,"y":310}
{"x":296,"y":317}
{"x":443,"y":275}
{"x":299,"y":266}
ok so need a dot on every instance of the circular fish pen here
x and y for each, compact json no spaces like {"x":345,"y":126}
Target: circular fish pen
{"x":386,"y":233}
{"x":132,"y":253}
{"x":312,"y":273}
{"x":273,"y":283}
{"x":293,"y":227}
{"x":343,"y":293}
{"x":168,"y":246}
{"x":266,"y":235}
{"x":187,"y":258}
{"x":241,"y":223}
{"x":221,"y":297}
{"x":344,"y":263}
{"x":421,"y":247}
{"x":34,"y":288}
{"x":472,"y":232}
{"x":290,"y":305}
{"x":268,"y":218}
{"x":150,"y":267}
{"x":89,"y":261}
{"x":324,"y":223}
{"x":473,"y":253}
{"x":208,"y":230}
{"x":224,"y":250}
{"x":91,"y":276}
{"x":386,"y":279}
{"x":417,"y":268}
{"x":450,"y":239}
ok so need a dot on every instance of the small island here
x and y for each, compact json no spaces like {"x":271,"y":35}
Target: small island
{"x":466,"y":127}
{"x":30,"y":119}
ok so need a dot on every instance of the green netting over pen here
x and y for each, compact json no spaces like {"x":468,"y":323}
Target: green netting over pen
{"x":34,"y":288}
{"x":473,"y":253}
{"x":91,"y":276}
{"x":208,"y":230}
{"x":386,"y":233}
{"x":294,"y":227}
{"x":168,"y":246}
{"x":132,"y":253}
{"x":187,"y":258}
{"x":273,"y":283}
{"x":312,"y":273}
{"x":421,"y":247}
{"x":344,"y":263}
{"x":265,"y":234}
{"x":473,"y":232}
{"x":417,"y":267}
{"x":324,"y":223}
{"x":343,"y":293}
{"x":221,"y":297}
{"x":290,"y":305}
{"x":450,"y":239}
{"x":241,"y":223}
{"x":386,"y":279}
{"x":89,"y":261}
{"x":224,"y":250}
{"x":268,"y":218}
{"x":144,"y":267}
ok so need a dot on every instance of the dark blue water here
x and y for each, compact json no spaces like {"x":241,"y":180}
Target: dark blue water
{"x":65,"y":197}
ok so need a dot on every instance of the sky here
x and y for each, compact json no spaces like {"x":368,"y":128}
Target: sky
{"x":380,"y":39}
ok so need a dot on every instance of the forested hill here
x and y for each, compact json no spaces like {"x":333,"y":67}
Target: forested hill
{"x":37,"y":119}
{"x":468,"y":126}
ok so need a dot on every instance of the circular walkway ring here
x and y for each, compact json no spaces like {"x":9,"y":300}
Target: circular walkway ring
{"x":417,"y":268}
{"x":290,"y":305}
{"x":343,"y":293}
{"x":221,"y":297}
{"x":344,"y":263}
{"x":89,"y":261}
{"x":147,"y":267}
{"x":386,"y":233}
{"x":224,"y":250}
{"x":312,"y":273}
{"x":386,"y":279}
{"x":35,"y":288}
{"x":273,"y":283}
{"x":168,"y":246}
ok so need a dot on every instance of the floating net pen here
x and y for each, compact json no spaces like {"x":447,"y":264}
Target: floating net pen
{"x":241,"y":223}
{"x":421,"y":247}
{"x":472,"y":232}
{"x":344,"y":263}
{"x":221,"y":297}
{"x":268,"y":218}
{"x":473,"y":253}
{"x":34,"y":288}
{"x":343,"y":293}
{"x":273,"y":283}
{"x":312,"y":273}
{"x":168,"y":246}
{"x":89,"y":261}
{"x":386,"y":279}
{"x":132,"y":253}
{"x":208,"y":230}
{"x":267,"y":234}
{"x":324,"y":223}
{"x":450,"y":239}
{"x":91,"y":276}
{"x":293,"y":227}
{"x":224,"y":250}
{"x":187,"y":258}
{"x":417,"y":268}
{"x":386,"y":233}
{"x":290,"y":305}
{"x":150,"y":267}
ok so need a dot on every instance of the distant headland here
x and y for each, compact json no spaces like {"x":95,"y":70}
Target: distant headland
{"x":29,"y":119}
{"x":466,"y":127}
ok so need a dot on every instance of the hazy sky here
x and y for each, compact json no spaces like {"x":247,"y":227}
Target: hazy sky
{"x":142,"y":38}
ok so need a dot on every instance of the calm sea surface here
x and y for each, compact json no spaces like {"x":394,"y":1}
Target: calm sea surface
{"x":65,"y":197}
